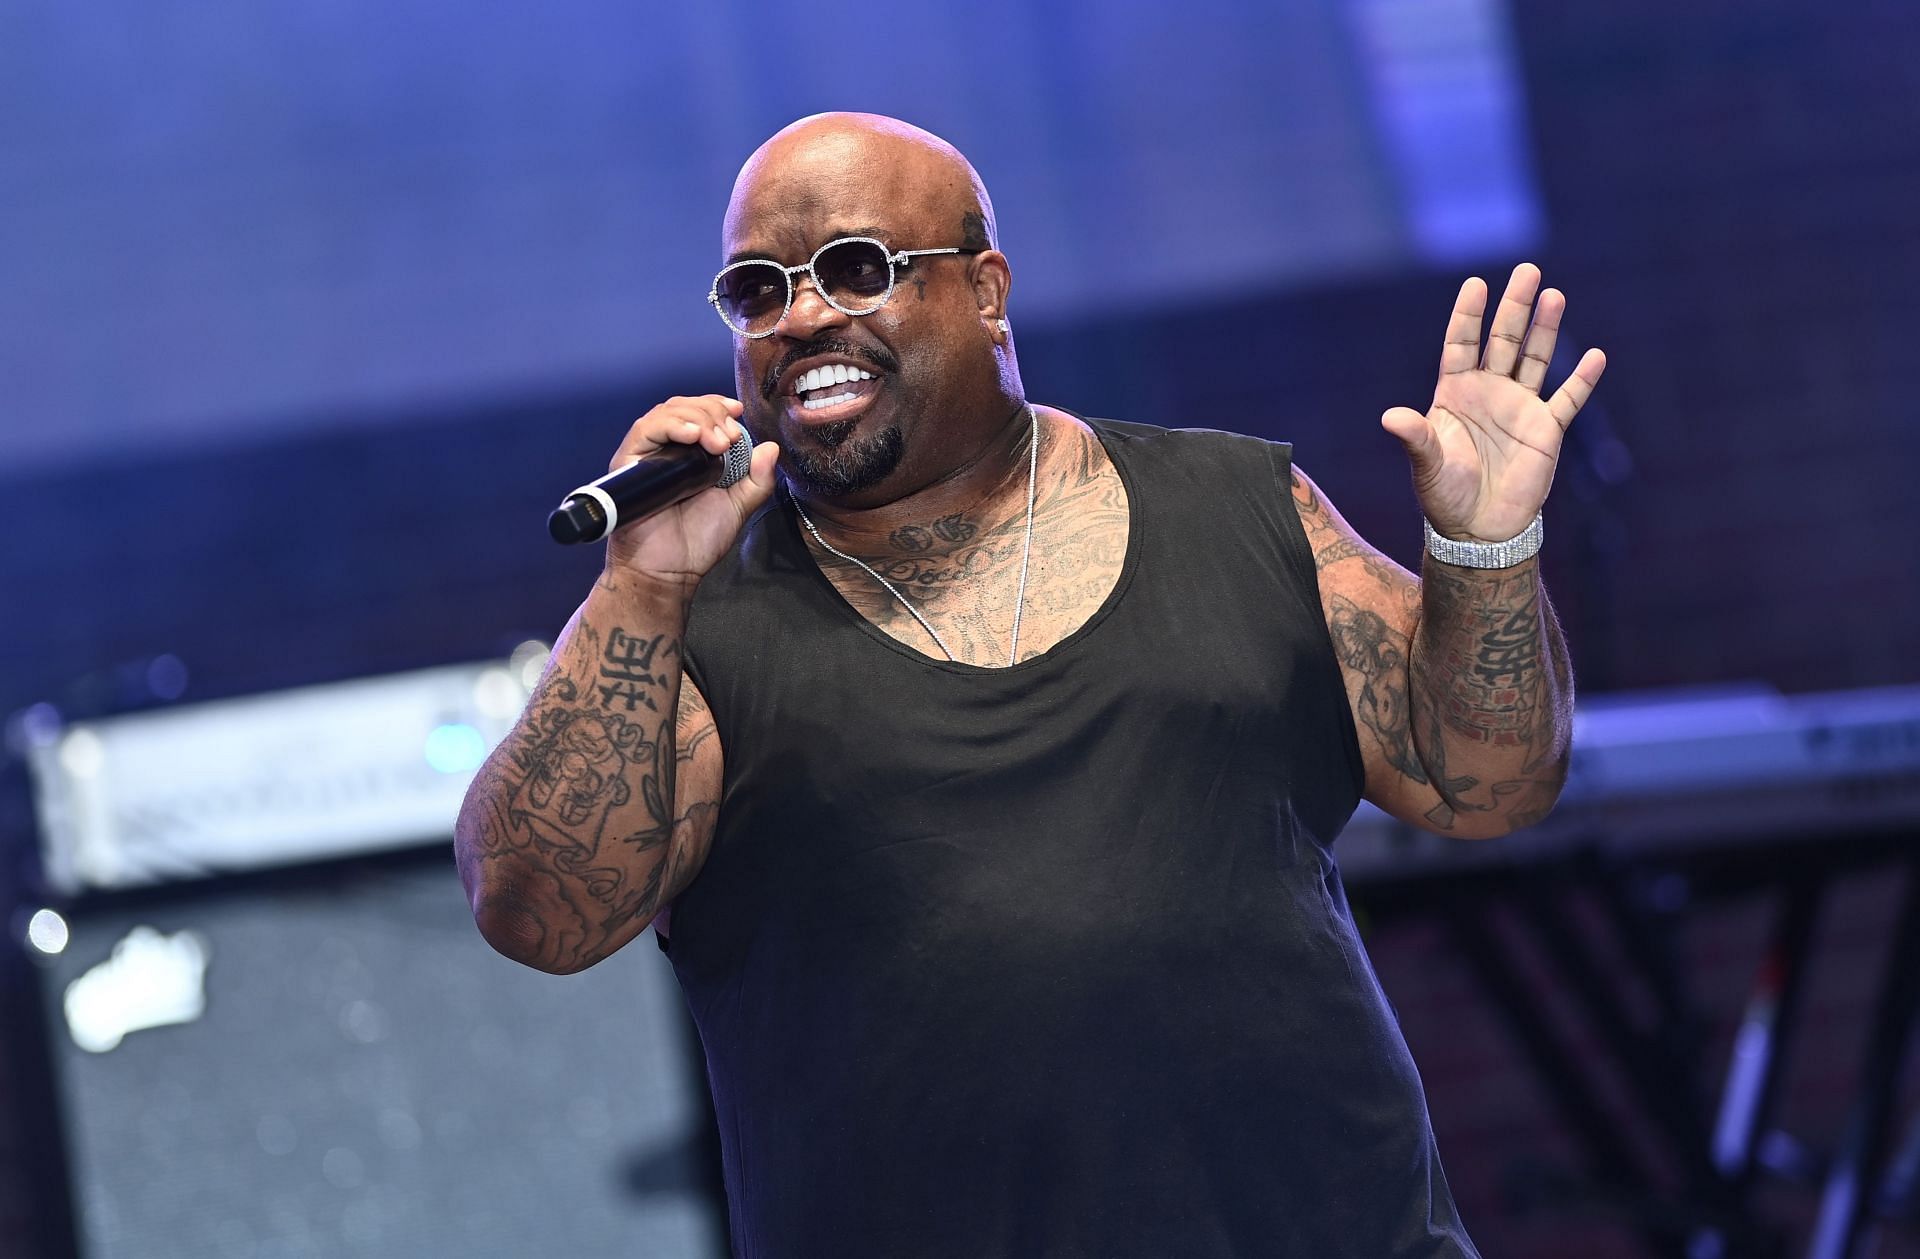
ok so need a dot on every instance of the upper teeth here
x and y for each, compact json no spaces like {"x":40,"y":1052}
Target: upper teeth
{"x":833,"y":374}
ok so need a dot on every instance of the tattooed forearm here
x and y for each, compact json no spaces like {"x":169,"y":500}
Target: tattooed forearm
{"x":1490,"y":638}
{"x":1489,"y":672}
{"x":1484,"y":661}
{"x":565,"y":840}
{"x":626,"y":670}
{"x":1452,"y":789}
{"x":1460,"y":684}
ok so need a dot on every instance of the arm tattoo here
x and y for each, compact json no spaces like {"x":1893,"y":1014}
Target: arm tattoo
{"x":575,"y":834}
{"x":1373,"y":650}
{"x":586,"y":764}
{"x":1476,"y":706}
{"x":1452,"y":789}
{"x":1487,"y":655}
{"x":1328,"y":544}
{"x":1491,"y":670}
{"x":694,"y":724}
{"x":1304,"y":497}
{"x":626,"y":671}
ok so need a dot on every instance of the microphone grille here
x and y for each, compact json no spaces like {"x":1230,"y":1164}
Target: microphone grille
{"x":736,"y":460}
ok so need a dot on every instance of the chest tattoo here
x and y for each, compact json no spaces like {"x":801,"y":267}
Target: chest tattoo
{"x":963,"y":577}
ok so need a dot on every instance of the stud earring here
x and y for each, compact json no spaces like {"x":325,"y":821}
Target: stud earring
{"x":1002,"y":325}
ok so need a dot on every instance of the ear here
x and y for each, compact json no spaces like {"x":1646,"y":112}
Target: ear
{"x":992,"y":279}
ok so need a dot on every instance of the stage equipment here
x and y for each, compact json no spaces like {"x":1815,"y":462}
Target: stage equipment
{"x":1674,"y":801}
{"x":370,"y":765}
{"x":273,"y":1028}
{"x":329,"y":1061}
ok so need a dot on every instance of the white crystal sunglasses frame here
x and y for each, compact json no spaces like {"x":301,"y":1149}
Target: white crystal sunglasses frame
{"x":895,"y":263}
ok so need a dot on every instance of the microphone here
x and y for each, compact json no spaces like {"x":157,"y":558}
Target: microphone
{"x":674,"y":472}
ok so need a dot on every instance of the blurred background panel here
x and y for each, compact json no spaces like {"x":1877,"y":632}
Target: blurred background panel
{"x":309,"y":313}
{"x":269,"y":219}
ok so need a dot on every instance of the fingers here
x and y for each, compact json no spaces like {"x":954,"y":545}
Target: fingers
{"x":1571,"y":396}
{"x":1510,"y":319}
{"x":1521,"y":340}
{"x":710,"y":420}
{"x":1541,"y":339}
{"x":1461,"y":353}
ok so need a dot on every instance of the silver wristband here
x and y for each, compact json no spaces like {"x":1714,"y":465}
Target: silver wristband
{"x":1522,"y":546}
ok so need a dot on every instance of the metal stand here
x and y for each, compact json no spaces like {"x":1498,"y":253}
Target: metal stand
{"x":1854,"y":1181}
{"x":1680,"y":1171}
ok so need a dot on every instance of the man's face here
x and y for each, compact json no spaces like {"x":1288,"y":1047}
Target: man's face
{"x":907,"y":363}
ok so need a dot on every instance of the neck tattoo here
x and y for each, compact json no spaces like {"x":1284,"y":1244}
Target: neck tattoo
{"x":1026,"y":552}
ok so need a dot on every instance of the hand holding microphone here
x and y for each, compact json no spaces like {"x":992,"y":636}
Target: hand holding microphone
{"x":643,"y":487}
{"x":654,"y":507}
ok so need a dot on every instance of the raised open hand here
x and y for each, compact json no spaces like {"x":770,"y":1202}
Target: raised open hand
{"x":1484,"y":453}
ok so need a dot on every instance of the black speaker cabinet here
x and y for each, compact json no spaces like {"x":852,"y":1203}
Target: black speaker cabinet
{"x":331,"y":1062}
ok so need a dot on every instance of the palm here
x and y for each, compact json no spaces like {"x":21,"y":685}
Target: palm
{"x":1484,"y":453}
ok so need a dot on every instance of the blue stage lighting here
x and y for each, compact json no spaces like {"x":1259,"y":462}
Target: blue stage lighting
{"x":456,"y":748}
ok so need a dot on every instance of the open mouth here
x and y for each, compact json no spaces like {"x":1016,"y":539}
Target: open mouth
{"x":832,"y":392}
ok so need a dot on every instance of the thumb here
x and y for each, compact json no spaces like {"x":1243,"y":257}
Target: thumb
{"x":753,"y":489}
{"x":1417,"y":436}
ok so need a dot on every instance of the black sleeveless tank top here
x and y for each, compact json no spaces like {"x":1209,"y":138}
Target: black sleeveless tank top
{"x":1051,"y":960}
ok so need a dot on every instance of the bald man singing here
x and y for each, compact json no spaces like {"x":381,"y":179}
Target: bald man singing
{"x":979,"y":765}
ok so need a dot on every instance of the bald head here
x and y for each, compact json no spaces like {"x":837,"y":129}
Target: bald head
{"x":925,"y":182}
{"x":937,"y":381}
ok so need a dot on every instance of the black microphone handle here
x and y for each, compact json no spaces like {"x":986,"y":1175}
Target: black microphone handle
{"x":665,"y":477}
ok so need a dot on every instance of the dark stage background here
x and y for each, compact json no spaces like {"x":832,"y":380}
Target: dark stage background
{"x":306,"y":318}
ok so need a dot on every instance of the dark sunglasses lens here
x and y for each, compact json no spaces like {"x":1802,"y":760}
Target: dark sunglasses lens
{"x":753,"y":296}
{"x":855,"y":274}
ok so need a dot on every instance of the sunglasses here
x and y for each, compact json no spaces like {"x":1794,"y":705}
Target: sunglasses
{"x":855,"y":275}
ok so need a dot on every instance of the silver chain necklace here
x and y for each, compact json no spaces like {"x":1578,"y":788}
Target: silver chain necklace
{"x":1026,"y":553}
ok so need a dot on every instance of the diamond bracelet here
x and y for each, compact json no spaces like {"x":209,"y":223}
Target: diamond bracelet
{"x":1522,"y":546}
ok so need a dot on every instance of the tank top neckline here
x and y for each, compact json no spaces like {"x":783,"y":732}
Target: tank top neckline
{"x":790,"y":526}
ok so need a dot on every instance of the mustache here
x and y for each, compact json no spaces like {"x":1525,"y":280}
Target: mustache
{"x":872,"y":354}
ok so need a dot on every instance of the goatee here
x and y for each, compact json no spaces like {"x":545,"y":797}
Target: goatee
{"x":830,"y":462}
